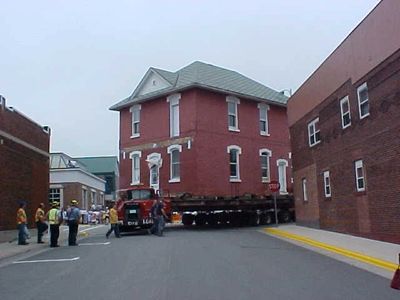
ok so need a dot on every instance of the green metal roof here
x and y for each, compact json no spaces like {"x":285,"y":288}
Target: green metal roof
{"x":100,"y":164}
{"x":207,"y":76}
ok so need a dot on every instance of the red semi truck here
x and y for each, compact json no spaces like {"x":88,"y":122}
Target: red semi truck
{"x":135,"y":204}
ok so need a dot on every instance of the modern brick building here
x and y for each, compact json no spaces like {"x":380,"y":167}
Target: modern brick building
{"x":24,"y":165}
{"x":345,"y":133}
{"x":203,"y":130}
{"x":70,"y":179}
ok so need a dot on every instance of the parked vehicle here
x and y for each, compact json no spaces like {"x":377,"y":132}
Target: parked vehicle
{"x":248,"y":210}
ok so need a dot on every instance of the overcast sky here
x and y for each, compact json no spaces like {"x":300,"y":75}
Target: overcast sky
{"x":64,"y":63}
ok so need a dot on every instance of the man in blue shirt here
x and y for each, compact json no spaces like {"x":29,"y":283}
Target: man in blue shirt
{"x":73,"y":215}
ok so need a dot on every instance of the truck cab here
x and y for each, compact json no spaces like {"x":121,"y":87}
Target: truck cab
{"x":134,"y":208}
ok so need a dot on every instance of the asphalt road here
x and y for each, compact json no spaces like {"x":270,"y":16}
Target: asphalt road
{"x":188,"y":264}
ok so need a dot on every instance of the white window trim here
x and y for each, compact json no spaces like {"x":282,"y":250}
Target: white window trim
{"x":359,"y":164}
{"x":359,"y":89}
{"x":345,"y":99}
{"x":266,"y":106}
{"x":304,"y":188}
{"x":131,"y":156}
{"x":327,"y":175}
{"x":312,"y":123}
{"x":173,"y":100}
{"x":239,"y":152}
{"x":266,"y":179}
{"x":283,"y":188}
{"x":169,"y":151}
{"x":136,"y":107}
{"x":236,"y":101}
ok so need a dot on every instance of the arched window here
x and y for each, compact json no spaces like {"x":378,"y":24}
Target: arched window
{"x":135,"y":156}
{"x":175,"y":162}
{"x":234,"y":170}
{"x":265,"y":155}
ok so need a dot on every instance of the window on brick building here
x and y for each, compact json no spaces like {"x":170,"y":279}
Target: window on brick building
{"x":313,"y":132}
{"x":135,"y":110}
{"x":263,"y":108}
{"x":363,"y":105}
{"x":233,"y":122}
{"x":135,"y":157}
{"x":54,"y":195}
{"x":234,"y":152}
{"x":345,"y":112}
{"x":304,"y":189}
{"x":174,"y":114}
{"x":360,"y":176}
{"x":327,"y":184}
{"x":175,"y":163}
{"x":265,"y":155}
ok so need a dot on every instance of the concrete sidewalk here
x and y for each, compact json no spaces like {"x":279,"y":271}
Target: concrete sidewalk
{"x":11,"y":248}
{"x":378,"y":257}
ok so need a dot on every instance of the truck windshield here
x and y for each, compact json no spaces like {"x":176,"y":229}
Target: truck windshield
{"x":139,"y":194}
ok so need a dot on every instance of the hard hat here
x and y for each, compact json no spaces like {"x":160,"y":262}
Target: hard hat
{"x":73,"y":202}
{"x":55,"y":204}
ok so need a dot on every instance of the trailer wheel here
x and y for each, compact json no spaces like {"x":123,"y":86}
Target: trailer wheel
{"x":284,"y":216}
{"x":254,"y":219}
{"x":200,"y":220}
{"x":187,"y":219}
{"x":212,"y":220}
{"x":266,"y":219}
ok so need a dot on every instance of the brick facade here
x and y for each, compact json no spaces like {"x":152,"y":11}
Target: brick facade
{"x":24,"y":166}
{"x":204,"y":137}
{"x":374,"y":139}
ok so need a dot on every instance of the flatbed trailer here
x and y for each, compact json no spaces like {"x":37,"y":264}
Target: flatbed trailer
{"x":246,"y":210}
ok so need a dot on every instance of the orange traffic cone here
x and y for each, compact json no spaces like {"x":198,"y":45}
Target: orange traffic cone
{"x":395,"y":284}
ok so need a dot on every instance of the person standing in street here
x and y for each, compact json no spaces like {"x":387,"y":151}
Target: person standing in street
{"x":21,"y":223}
{"x":158,"y":214}
{"x":73,"y":223}
{"x":55,"y":218}
{"x":113,"y":222}
{"x":40,"y":223}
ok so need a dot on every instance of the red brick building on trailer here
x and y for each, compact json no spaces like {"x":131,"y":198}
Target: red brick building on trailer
{"x":203,"y":130}
{"x":345,"y":133}
{"x":24,"y":165}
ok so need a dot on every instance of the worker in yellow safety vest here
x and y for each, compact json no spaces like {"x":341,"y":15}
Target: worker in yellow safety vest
{"x":21,"y":222}
{"x":40,"y":223}
{"x":54,"y":217}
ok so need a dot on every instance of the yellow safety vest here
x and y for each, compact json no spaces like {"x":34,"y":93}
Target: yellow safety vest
{"x":53,"y":216}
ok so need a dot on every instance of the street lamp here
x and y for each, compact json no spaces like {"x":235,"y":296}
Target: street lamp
{"x":286,"y":90}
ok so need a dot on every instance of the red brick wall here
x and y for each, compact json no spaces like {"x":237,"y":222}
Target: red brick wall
{"x":24,"y":173}
{"x":205,"y":167}
{"x":374,"y":139}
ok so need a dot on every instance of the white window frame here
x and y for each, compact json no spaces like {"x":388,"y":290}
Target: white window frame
{"x":285,"y":164}
{"x":238,"y":153}
{"x":359,"y":90}
{"x":263,"y":106}
{"x":173,"y":101}
{"x":235,"y":101}
{"x":269,"y":155}
{"x":304,"y":188}
{"x":135,"y":169}
{"x":133,"y":109}
{"x":314,"y":134}
{"x":344,"y":113}
{"x":170,"y":150}
{"x":359,"y":165}
{"x":327,"y":185}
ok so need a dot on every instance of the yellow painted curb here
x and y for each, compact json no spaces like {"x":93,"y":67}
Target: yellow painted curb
{"x":354,"y":255}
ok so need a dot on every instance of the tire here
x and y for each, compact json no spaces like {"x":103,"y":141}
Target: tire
{"x":266,"y":219}
{"x":212,"y":220}
{"x":187,"y":219}
{"x":254,"y":219}
{"x":200,"y":219}
{"x":284,"y":216}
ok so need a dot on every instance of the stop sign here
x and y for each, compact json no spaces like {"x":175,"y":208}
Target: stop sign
{"x":274,"y":186}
